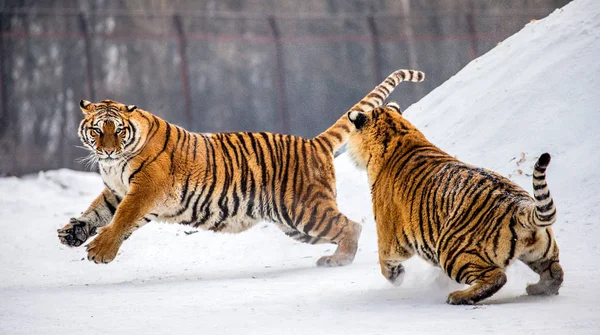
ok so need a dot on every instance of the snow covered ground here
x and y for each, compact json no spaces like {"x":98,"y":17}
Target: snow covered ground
{"x":537,"y":91}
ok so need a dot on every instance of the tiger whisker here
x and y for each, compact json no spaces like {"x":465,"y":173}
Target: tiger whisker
{"x":90,"y":161}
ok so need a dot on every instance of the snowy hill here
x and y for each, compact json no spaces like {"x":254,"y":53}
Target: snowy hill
{"x":537,"y":91}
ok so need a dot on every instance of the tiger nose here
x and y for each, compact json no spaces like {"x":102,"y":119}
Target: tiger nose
{"x":109,"y":151}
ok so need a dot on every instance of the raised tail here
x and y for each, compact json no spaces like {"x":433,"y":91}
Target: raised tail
{"x":337,"y":135}
{"x":545,"y":212}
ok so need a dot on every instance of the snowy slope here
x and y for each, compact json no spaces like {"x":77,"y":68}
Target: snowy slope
{"x":535,"y":92}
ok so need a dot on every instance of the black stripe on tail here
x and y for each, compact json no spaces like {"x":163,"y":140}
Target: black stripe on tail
{"x":545,"y":212}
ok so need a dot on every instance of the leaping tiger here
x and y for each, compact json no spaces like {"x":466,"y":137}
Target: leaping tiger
{"x":225,"y":182}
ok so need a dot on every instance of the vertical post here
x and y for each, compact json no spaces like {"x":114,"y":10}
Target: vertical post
{"x":63,"y":109}
{"x":183,"y":69}
{"x":32,"y":139}
{"x":376,"y":51}
{"x":83,"y":26}
{"x":3,"y":117}
{"x":472,"y":34}
{"x":64,"y":136}
{"x":407,"y":27}
{"x":5,"y":166}
{"x":283,"y":108}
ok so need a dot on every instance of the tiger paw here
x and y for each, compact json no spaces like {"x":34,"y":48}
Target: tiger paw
{"x":334,"y":260}
{"x":104,"y":248}
{"x":75,"y":233}
{"x":553,"y":279}
{"x":542,"y":289}
{"x":460,"y":298}
{"x":396,"y":275}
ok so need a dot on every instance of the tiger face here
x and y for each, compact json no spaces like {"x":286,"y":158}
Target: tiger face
{"x":374,"y":132}
{"x":107,"y":129}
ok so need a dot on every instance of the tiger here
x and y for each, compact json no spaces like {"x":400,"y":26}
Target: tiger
{"x":470,"y":222}
{"x":223,"y":182}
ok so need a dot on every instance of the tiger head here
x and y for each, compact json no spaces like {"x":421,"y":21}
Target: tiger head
{"x":376,"y":134}
{"x":107,"y":129}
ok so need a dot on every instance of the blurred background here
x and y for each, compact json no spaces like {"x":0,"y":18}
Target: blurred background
{"x":225,"y":65}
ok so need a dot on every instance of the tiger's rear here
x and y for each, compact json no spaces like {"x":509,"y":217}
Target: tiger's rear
{"x":469,"y":221}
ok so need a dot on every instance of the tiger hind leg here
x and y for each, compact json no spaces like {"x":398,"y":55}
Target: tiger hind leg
{"x":544,"y":262}
{"x":484,"y":279}
{"x":347,"y":245}
{"x":333,"y":227}
{"x":551,"y":277}
{"x":300,"y":236}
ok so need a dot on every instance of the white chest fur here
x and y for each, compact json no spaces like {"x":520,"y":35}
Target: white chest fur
{"x":114,"y":177}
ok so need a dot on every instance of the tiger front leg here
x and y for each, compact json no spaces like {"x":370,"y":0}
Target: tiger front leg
{"x":130,"y":215}
{"x":99,"y":214}
{"x":393,"y":271}
{"x":76,"y":232}
{"x":392,"y":246}
{"x":391,"y":257}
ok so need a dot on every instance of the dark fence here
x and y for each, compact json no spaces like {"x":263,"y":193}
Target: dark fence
{"x":211,"y":73}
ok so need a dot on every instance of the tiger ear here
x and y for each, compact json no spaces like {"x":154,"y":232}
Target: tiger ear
{"x":131,"y":108}
{"x":394,"y":106}
{"x":86,"y":106}
{"x":357,"y":118}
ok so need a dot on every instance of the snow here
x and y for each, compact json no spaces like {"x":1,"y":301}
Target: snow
{"x":537,"y":91}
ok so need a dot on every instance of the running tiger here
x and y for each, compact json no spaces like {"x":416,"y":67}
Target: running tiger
{"x":469,"y":221}
{"x":225,"y":182}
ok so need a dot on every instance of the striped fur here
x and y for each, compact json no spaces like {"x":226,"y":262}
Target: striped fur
{"x":469,"y":221}
{"x":337,"y":134}
{"x":545,"y":211}
{"x":225,"y":182}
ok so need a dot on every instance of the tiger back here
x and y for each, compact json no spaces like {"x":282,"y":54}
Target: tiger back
{"x":224,"y":182}
{"x":469,"y":221}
